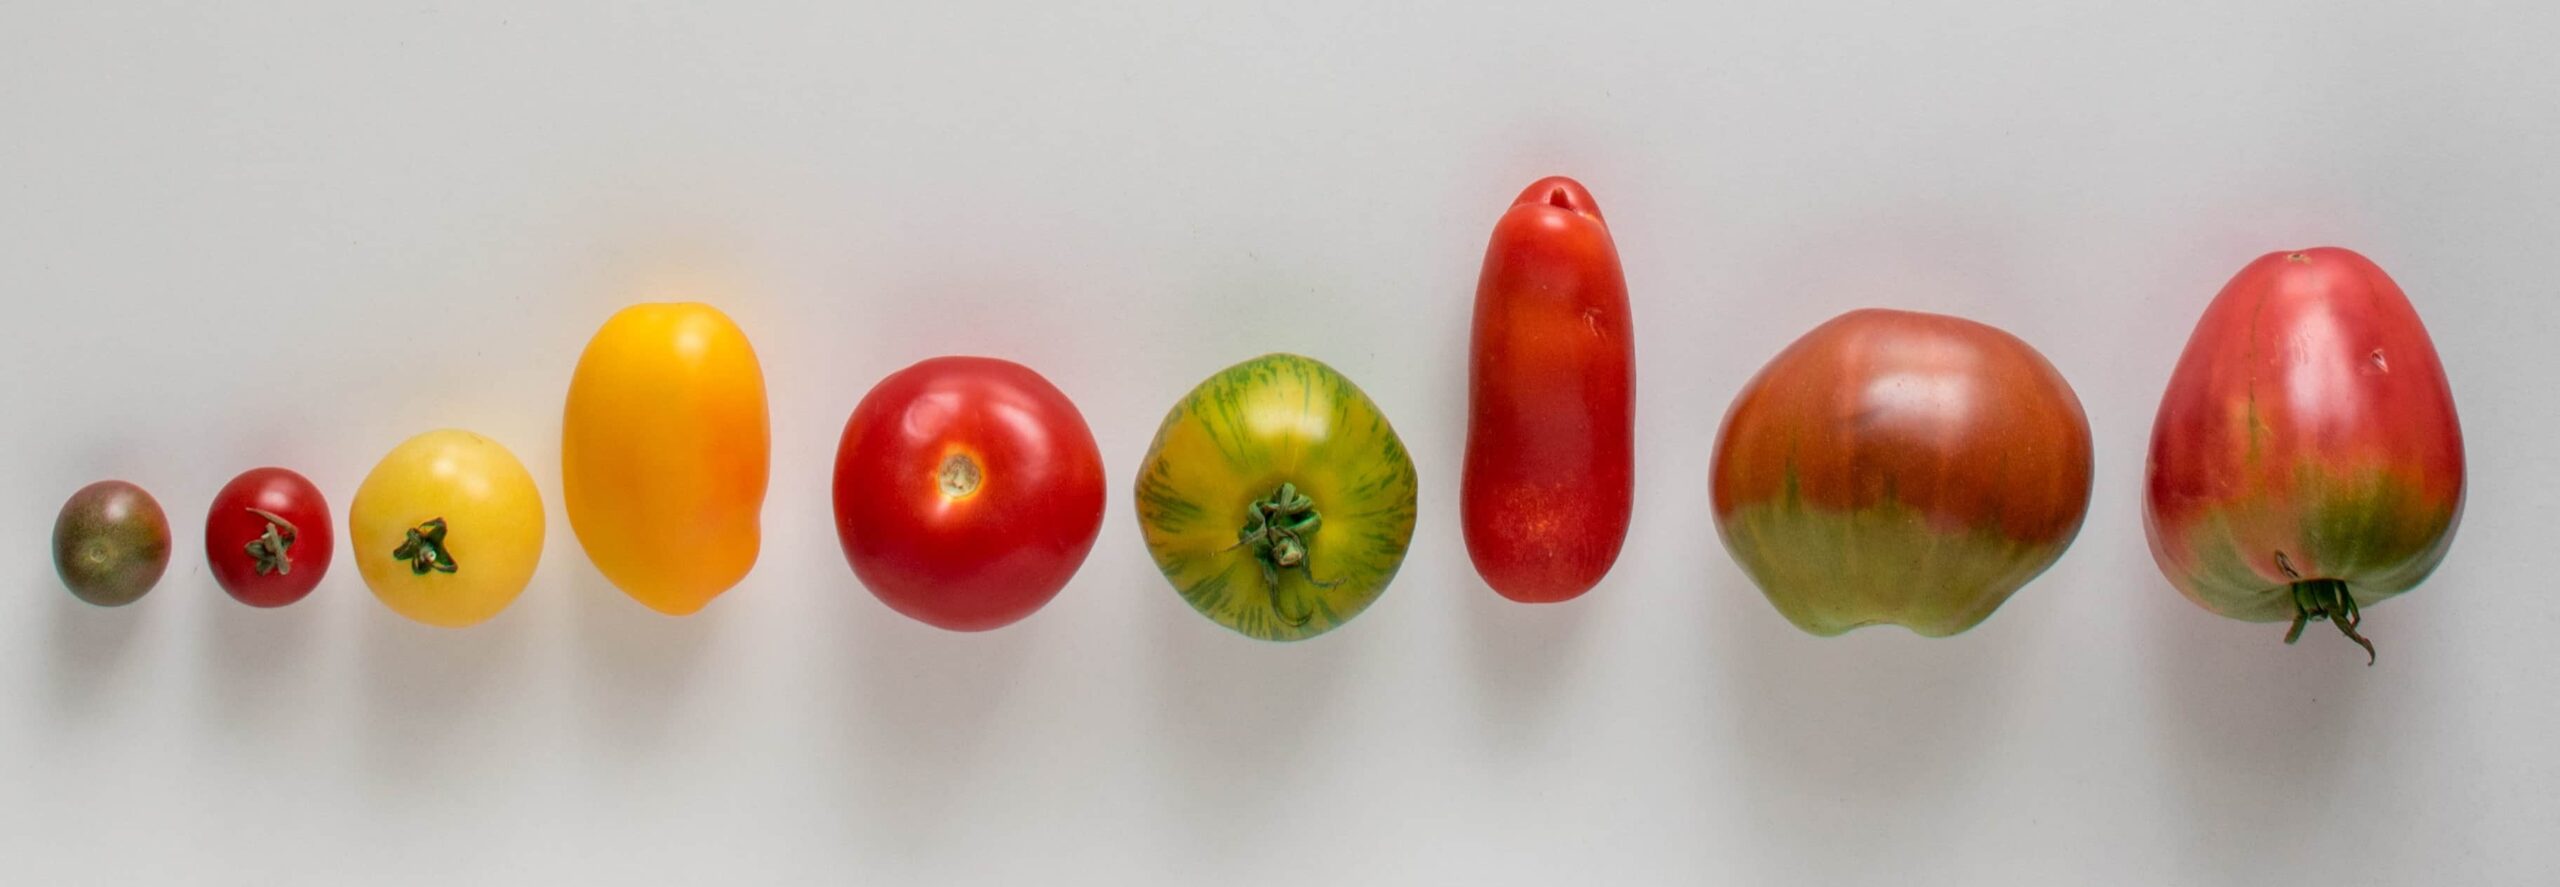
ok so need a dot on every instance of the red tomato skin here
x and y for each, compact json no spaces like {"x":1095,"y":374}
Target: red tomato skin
{"x":1899,"y":467}
{"x":987,"y":559}
{"x":230,"y":526}
{"x":1549,"y":482}
{"x":2308,"y":433}
{"x":1962,"y":421}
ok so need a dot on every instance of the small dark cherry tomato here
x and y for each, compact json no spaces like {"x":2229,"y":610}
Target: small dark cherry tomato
{"x":1550,"y":471}
{"x":968,"y":490}
{"x":268,"y":537}
{"x":111,"y":543}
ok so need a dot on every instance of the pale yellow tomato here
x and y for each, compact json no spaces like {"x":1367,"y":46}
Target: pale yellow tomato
{"x":447,"y":529}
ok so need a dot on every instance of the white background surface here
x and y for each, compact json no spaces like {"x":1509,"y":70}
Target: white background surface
{"x":298,"y":234}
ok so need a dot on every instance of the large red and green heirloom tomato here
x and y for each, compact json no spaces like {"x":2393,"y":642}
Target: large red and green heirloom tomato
{"x":110,"y":543}
{"x":1904,"y":468}
{"x":1277,"y":499}
{"x":447,"y":529}
{"x":1550,"y":470}
{"x":968,"y":491}
{"x":664,"y":452}
{"x":268,"y":537}
{"x":2306,"y":462}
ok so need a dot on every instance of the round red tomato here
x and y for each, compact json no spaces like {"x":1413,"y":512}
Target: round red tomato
{"x":268,"y":537}
{"x":968,"y":491}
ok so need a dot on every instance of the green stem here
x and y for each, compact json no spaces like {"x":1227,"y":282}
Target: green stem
{"x":273,"y":549}
{"x":1276,"y":529}
{"x":2328,"y":599}
{"x":424,"y":549}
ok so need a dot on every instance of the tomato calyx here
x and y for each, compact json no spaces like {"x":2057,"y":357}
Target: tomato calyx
{"x":2324,"y":599}
{"x":273,"y":549}
{"x":959,"y":477}
{"x":425,"y":551}
{"x":1276,"y":528}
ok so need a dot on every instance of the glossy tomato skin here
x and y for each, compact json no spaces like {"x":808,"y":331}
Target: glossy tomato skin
{"x":447,"y":529}
{"x":110,"y":543}
{"x":268,"y":537}
{"x":968,"y":491}
{"x":665,"y":451}
{"x":1904,"y":468}
{"x":1276,"y":499}
{"x":2307,"y":435}
{"x":1550,"y":468}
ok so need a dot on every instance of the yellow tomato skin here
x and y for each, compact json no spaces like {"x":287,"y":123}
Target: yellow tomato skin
{"x":664,"y":454}
{"x":492,"y":525}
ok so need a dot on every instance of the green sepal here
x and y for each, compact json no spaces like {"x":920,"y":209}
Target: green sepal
{"x":273,"y":549}
{"x":425,"y":551}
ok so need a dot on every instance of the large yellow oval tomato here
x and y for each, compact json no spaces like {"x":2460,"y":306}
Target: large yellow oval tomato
{"x":664,"y":454}
{"x":1277,"y":498}
{"x":447,"y":529}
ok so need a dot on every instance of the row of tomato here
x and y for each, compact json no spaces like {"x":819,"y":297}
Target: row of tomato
{"x":1888,"y":467}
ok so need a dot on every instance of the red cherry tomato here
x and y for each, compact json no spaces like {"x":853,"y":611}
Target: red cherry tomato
{"x":268,"y":537}
{"x":1550,"y":472}
{"x":968,"y":491}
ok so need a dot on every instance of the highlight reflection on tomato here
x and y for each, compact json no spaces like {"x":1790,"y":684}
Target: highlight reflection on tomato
{"x":968,"y":490}
{"x":2306,"y":462}
{"x":1899,"y":467}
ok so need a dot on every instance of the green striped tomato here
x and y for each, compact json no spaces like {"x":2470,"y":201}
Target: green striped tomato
{"x":1277,"y":499}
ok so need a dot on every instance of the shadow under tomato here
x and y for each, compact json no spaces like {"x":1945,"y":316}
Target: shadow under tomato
{"x":89,"y":645}
{"x":922,"y":709}
{"x":430,"y":695}
{"x":1862,"y":737}
{"x":637,"y":667}
{"x":253,"y":656}
{"x":1523,"y":654}
{"x":1242,"y":716}
{"x":2258,"y":737}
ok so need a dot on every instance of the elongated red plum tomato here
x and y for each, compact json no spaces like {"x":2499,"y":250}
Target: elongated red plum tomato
{"x":268,"y":537}
{"x":1550,"y":470}
{"x":1904,"y":468}
{"x":968,"y":490}
{"x":2306,"y":462}
{"x":111,"y":543}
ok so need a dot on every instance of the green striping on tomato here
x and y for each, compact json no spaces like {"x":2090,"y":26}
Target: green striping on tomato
{"x":1277,"y":499}
{"x":111,"y":543}
{"x":1893,"y":467}
{"x":2306,"y":462}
